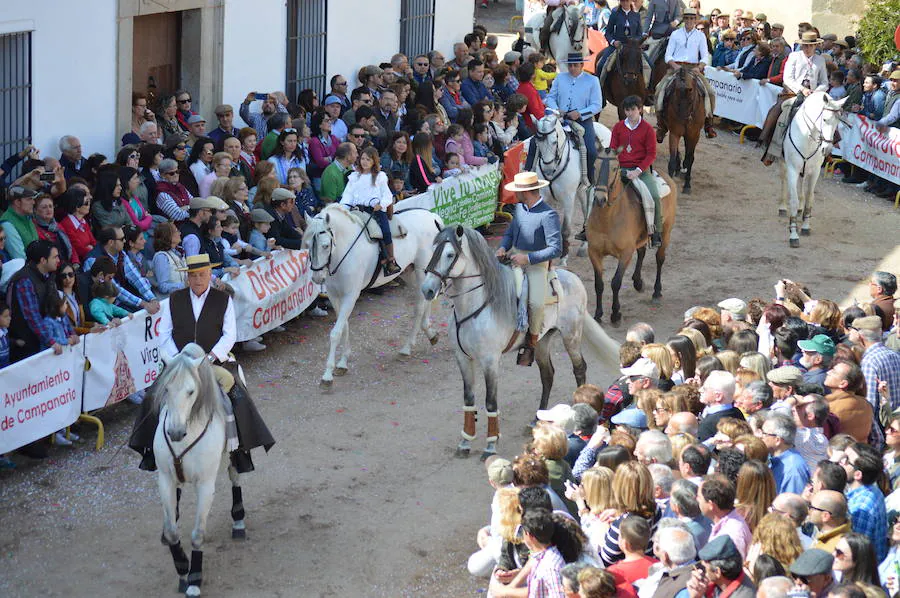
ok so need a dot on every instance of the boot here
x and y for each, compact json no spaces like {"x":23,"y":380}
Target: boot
{"x":148,"y":461}
{"x":661,"y":130}
{"x":580,"y":235}
{"x":241,"y":461}
{"x":526,"y":353}
{"x":655,"y":239}
{"x":708,"y":127}
{"x":390,"y":264}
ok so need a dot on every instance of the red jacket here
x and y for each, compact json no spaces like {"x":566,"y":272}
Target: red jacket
{"x":642,"y":142}
{"x":535,"y":104}
{"x":776,"y":71}
{"x":80,"y":236}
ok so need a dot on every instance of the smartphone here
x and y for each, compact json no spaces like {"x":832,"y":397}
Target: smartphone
{"x":47,"y":177}
{"x":262,"y":96}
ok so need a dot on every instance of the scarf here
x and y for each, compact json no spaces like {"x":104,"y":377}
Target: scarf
{"x":178,"y":192}
{"x":55,"y":235}
{"x":24,"y":225}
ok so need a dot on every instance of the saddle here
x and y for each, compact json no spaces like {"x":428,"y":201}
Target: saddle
{"x":646,"y":200}
{"x":552,"y":282}
{"x":662,"y":92}
{"x":657,"y":48}
{"x":373,"y":231}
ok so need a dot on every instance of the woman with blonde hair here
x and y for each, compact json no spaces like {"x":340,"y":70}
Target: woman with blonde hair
{"x":549,"y":442}
{"x":776,"y":536}
{"x":686,"y":397}
{"x":729,"y":359}
{"x":646,"y":400}
{"x":757,"y":362}
{"x":729,"y":429}
{"x":633,"y":496}
{"x":698,"y":339}
{"x":742,"y":377}
{"x":596,"y":583}
{"x":754,"y":493}
{"x":593,"y":496}
{"x":679,"y":442}
{"x":827,"y":314}
{"x":660,"y":355}
{"x":752,"y":447}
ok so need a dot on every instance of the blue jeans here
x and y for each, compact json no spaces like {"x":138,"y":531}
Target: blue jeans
{"x":384,"y":224}
{"x":590,"y":145}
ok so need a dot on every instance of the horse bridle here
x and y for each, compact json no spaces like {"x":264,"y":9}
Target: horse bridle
{"x":572,"y":28}
{"x":604,"y":186}
{"x":177,"y":459}
{"x":628,"y":76}
{"x":818,"y":135}
{"x":561,"y":165}
{"x":314,"y":247}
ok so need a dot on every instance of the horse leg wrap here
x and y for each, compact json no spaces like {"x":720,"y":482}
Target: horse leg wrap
{"x":237,"y":503}
{"x":493,"y":430}
{"x":469,"y":419}
{"x":179,"y":558}
{"x":195,"y":575}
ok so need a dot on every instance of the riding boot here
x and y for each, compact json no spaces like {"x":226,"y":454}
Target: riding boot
{"x":708,"y":127}
{"x":655,"y":239}
{"x":565,"y":247}
{"x":241,"y":461}
{"x":661,"y":129}
{"x":390,"y":264}
{"x":526,"y":353}
{"x":148,"y":461}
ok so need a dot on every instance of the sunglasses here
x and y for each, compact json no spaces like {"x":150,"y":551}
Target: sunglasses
{"x":185,"y":101}
{"x":290,"y":130}
{"x":421,"y":64}
{"x":67,"y":275}
{"x":820,"y":509}
{"x":181,"y":147}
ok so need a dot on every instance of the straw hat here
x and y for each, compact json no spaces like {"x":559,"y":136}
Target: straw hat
{"x":526,"y":181}
{"x":810,"y":38}
{"x":196,"y":263}
{"x":689,"y":12}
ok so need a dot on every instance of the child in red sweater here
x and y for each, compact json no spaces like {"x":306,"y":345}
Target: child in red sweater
{"x":634,"y":535}
{"x":636,"y":140}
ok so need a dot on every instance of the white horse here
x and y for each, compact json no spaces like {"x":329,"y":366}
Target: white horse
{"x":483,"y":294}
{"x":189,"y":444}
{"x":556,"y":160}
{"x":571,"y":37}
{"x":346,"y":262}
{"x":809,"y":139}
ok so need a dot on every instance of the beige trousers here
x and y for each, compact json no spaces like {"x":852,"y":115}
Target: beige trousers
{"x":537,"y":293}
{"x":223,"y":377}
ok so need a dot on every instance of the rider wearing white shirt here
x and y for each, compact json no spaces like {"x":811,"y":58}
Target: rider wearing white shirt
{"x":805,"y":71}
{"x":687,"y":46}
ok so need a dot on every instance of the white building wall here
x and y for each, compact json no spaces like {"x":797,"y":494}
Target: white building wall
{"x":255,"y":51}
{"x":360,"y":32}
{"x":453,"y":19}
{"x":73,"y":73}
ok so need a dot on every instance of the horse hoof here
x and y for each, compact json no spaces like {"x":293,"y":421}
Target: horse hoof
{"x":639,"y":285}
{"x":192,"y":591}
{"x":794,"y":243}
{"x":434,"y":339}
{"x":486,"y":454}
{"x":598,"y":317}
{"x":182,"y":586}
{"x":686,"y":190}
{"x":657,"y":298}
{"x":616,"y":319}
{"x":238,"y":534}
{"x":326,"y":383}
{"x":462,"y":453}
{"x":805,"y":232}
{"x":340,"y":371}
{"x":782,"y":212}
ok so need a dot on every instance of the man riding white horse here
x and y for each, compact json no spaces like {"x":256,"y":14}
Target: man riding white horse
{"x":804,"y":73}
{"x":205,"y":316}
{"x":534,"y":237}
{"x":577,"y":97}
{"x":624,"y":24}
{"x":687,"y":47}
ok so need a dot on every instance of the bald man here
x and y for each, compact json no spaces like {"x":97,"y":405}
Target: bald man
{"x":683,"y":422}
{"x":793,"y":507}
{"x":828,"y":512}
{"x":774,"y":587}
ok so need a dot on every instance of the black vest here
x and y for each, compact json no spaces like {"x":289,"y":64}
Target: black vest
{"x":673,"y":581}
{"x":206,"y":331}
{"x":19,"y":328}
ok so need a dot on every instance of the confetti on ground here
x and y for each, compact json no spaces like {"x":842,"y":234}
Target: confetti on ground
{"x":339,"y":410}
{"x":425,"y":361}
{"x":392,"y":403}
{"x":395,"y":424}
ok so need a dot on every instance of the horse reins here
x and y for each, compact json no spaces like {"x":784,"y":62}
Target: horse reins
{"x":313,"y":250}
{"x":821,"y":138}
{"x":561,"y":165}
{"x":176,"y":459}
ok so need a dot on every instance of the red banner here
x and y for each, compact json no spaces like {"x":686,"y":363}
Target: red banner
{"x":513,"y":160}
{"x":596,"y":44}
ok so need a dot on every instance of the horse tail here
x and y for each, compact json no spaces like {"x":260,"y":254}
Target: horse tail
{"x":604,"y":347}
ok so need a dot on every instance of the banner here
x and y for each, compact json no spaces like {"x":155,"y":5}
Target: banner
{"x":469,"y":199}
{"x":513,"y":162}
{"x":272,"y":292}
{"x":865,"y":146}
{"x":41,"y":394}
{"x":596,"y":44}
{"x":123,"y":360}
{"x":740,"y":100}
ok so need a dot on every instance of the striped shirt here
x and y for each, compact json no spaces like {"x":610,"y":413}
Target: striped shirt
{"x":545,"y":580}
{"x":610,"y":552}
{"x":881,"y":363}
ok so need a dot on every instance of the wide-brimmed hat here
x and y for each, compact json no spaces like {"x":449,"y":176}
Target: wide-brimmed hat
{"x":574,"y":58}
{"x":196,"y":263}
{"x":810,"y":38}
{"x":842,"y":43}
{"x":526,"y":181}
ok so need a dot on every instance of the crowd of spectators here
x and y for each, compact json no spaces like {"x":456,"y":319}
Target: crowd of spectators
{"x":752,"y":453}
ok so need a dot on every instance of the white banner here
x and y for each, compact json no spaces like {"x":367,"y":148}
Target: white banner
{"x":740,"y":100}
{"x":123,"y":360}
{"x":272,"y":292}
{"x":41,"y":394}
{"x":873,"y":151}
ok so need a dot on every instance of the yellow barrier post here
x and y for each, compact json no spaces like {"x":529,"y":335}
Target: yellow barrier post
{"x":90,"y":419}
{"x":513,"y":19}
{"x":744,"y":130}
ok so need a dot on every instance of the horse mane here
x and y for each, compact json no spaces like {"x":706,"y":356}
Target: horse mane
{"x":685,"y":92}
{"x":208,"y":400}
{"x":630,"y":56}
{"x":499,"y":285}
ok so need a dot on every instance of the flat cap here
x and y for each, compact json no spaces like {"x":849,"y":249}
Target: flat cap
{"x":830,"y":37}
{"x":632,"y":416}
{"x":867,"y":323}
{"x":332,"y":100}
{"x":211,"y":203}
{"x":777,"y":26}
{"x":282,"y":194}
{"x":761,"y":16}
{"x":373,"y":69}
{"x":19,"y":192}
{"x":787,"y":375}
{"x":260,"y":215}
{"x":195,"y":118}
{"x":734,"y":306}
{"x":511,"y":56}
{"x":895,"y":76}
{"x":721,"y":548}
{"x":499,"y":471}
{"x":813,"y":561}
{"x":224,"y":109}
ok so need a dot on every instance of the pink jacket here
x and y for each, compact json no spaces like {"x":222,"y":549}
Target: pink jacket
{"x":320,"y":155}
{"x":465,"y":150}
{"x":142,"y":223}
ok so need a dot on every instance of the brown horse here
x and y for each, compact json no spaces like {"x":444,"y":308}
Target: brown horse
{"x":626,"y":77}
{"x":658,"y":70}
{"x":616,"y":227}
{"x":685,"y":115}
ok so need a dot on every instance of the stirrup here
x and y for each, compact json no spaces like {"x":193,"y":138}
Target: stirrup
{"x":391,"y":267}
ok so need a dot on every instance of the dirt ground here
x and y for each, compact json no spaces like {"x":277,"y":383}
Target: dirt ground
{"x":362,"y":495}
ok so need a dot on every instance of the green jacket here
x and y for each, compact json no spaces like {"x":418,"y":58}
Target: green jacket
{"x":334,"y":179}
{"x":20,"y":232}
